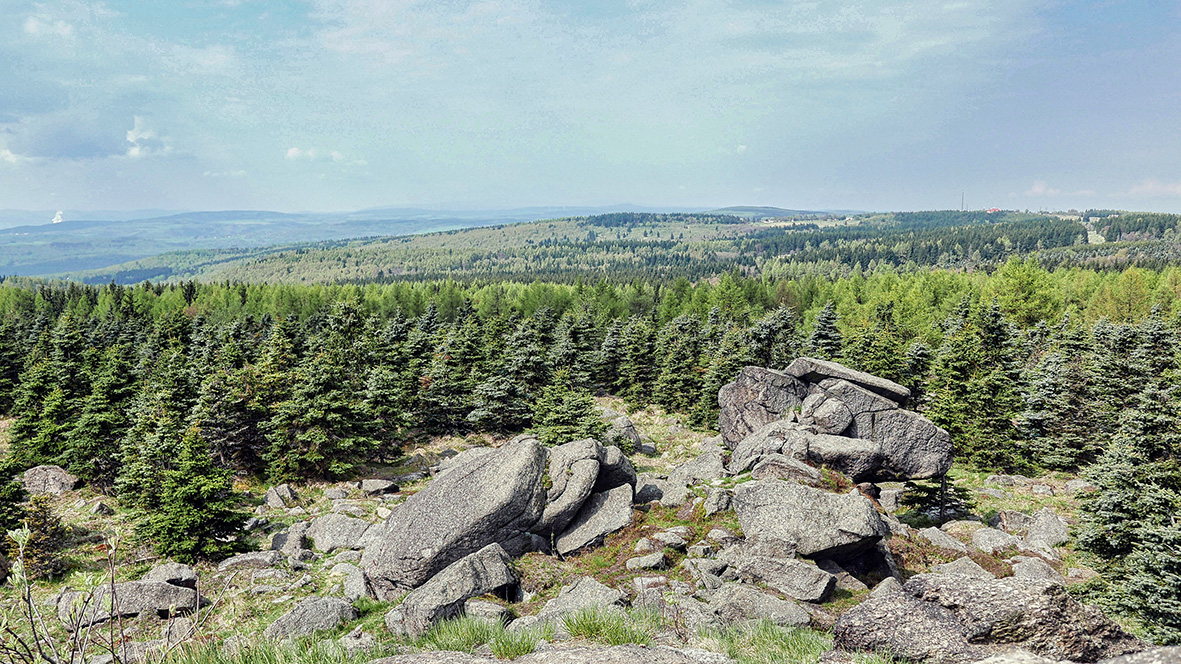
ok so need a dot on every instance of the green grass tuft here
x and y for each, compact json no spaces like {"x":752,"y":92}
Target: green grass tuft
{"x":763,"y":642}
{"x":510,"y":645}
{"x":611,"y":626}
{"x":463,"y":634}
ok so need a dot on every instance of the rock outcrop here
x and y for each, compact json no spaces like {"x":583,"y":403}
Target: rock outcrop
{"x":51,"y":480}
{"x":131,"y":598}
{"x":311,"y":615}
{"x":954,"y":619}
{"x":755,"y":399}
{"x":480,"y":573}
{"x":818,"y":523}
{"x":496,"y":498}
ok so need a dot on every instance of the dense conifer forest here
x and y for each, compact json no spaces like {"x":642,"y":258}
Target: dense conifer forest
{"x":164,"y":393}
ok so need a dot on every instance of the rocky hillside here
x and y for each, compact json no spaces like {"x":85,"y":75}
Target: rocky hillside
{"x":798,"y":521}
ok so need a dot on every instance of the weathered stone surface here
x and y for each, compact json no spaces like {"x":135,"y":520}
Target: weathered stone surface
{"x":1011,"y":521}
{"x":965,"y":566}
{"x":655,"y":560}
{"x":1028,"y":567}
{"x":991,"y":540}
{"x":1047,"y":530}
{"x":717,"y":500}
{"x":311,"y":615}
{"x":279,"y":496}
{"x":783,"y":467}
{"x":615,"y":470}
{"x":886,"y":586}
{"x":377,"y":486}
{"x":860,"y":459}
{"x":251,"y":560}
{"x":292,"y":540}
{"x":102,"y":509}
{"x":734,"y":603}
{"x":1166,"y":655}
{"x":670,"y":538}
{"x":755,"y":399}
{"x":778,"y":437}
{"x":790,"y":576}
{"x":585,"y":593}
{"x":355,"y":584}
{"x":496,"y":498}
{"x":825,"y":414}
{"x":623,"y":433}
{"x":573,"y":469}
{"x":482,"y":572}
{"x":1019,"y":657}
{"x":601,"y":515}
{"x":52,"y":480}
{"x":480,"y":608}
{"x":845,"y":580}
{"x":821,"y":524}
{"x":1078,"y":486}
{"x":942,"y":539}
{"x":174,"y":574}
{"x":336,"y":531}
{"x":131,"y":598}
{"x":959,"y":619}
{"x":649,"y":488}
{"x":814,"y":370}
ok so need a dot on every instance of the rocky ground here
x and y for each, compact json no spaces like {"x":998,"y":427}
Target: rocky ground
{"x":791,"y":526}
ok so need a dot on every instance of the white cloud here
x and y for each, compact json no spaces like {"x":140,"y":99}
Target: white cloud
{"x":741,"y":149}
{"x":1042,"y":190}
{"x":225,"y":174}
{"x":9,"y":157}
{"x":144,"y":141}
{"x":312,"y":154}
{"x":1156,"y":189}
{"x":42,"y":27}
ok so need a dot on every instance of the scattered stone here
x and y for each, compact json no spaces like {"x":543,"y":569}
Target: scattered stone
{"x":724,"y":538}
{"x":649,"y":489}
{"x":269,"y":573}
{"x":1047,"y":530}
{"x":51,"y":480}
{"x":601,"y":515}
{"x":335,"y":493}
{"x":991,"y":540}
{"x":309,"y":616}
{"x":349,"y":509}
{"x":356,"y":641}
{"x":584,"y":593}
{"x":716,"y":500}
{"x":377,"y":487}
{"x":1029,"y":567}
{"x":645,"y":545}
{"x":102,"y":509}
{"x":482,"y":572}
{"x":822,"y":524}
{"x":174,"y":574}
{"x":280,"y":496}
{"x":886,"y":586}
{"x":1011,"y":521}
{"x":1042,"y":490}
{"x":783,"y":467}
{"x":991,"y":493}
{"x":480,"y":608}
{"x":251,"y":560}
{"x":651,"y":561}
{"x":292,"y":540}
{"x":671,"y":539}
{"x":1074,"y":487}
{"x":263,"y":589}
{"x":622,"y":432}
{"x":131,"y":598}
{"x":942,"y":539}
{"x":702,"y":549}
{"x":735,"y":603}
{"x":965,"y":566}
{"x":769,"y":562}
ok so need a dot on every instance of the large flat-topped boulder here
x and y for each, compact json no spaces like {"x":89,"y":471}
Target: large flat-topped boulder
{"x":496,"y":498}
{"x":51,"y":480}
{"x":812,"y":370}
{"x":756,"y":398}
{"x":821,"y":524}
{"x":953,"y":619}
{"x":131,"y":598}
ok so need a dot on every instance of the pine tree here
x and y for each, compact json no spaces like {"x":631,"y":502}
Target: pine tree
{"x":197,"y":515}
{"x":231,"y":419}
{"x":637,"y":369}
{"x":825,"y":340}
{"x":93,"y":443}
{"x":574,"y":346}
{"x":447,"y":386}
{"x":609,"y":356}
{"x":563,"y":413}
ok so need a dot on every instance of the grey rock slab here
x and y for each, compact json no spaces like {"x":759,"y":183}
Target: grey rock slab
{"x":822,"y":524}
{"x":585,"y":593}
{"x":782,"y":467}
{"x":292,"y":540}
{"x":131,"y":598}
{"x":480,"y":608}
{"x":377,"y":487}
{"x":910,"y":446}
{"x":1028,"y":567}
{"x":479,"y":573}
{"x":336,"y":531}
{"x":622,"y":432}
{"x":309,"y":616}
{"x":815,"y":370}
{"x":601,"y":515}
{"x":1011,"y":521}
{"x":991,"y":540}
{"x":942,"y":539}
{"x":495,"y":498}
{"x":717,"y":500}
{"x":1164,"y":655}
{"x":776,"y":437}
{"x":789,"y":576}
{"x":1047,"y":530}
{"x":886,"y":586}
{"x":824,"y":414}
{"x":615,"y":470}
{"x":965,"y":566}
{"x":175,"y":574}
{"x":736,"y":603}
{"x":756,"y":398}
{"x":651,"y":561}
{"x":670,"y":539}
{"x":573,"y":469}
{"x":280,"y":496}
{"x":251,"y":560}
{"x":51,"y":480}
{"x":907,"y":628}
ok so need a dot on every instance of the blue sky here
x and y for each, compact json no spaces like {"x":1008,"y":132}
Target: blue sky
{"x":345,"y":104}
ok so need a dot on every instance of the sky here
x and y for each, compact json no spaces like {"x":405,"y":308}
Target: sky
{"x":348,"y":104}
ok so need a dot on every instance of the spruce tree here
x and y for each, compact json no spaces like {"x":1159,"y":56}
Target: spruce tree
{"x":563,"y":413}
{"x":197,"y":514}
{"x":93,"y":443}
{"x":638,"y":367}
{"x":724,"y":365}
{"x":773,"y":341}
{"x":825,"y":340}
{"x":678,"y":383}
{"x":876,"y":347}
